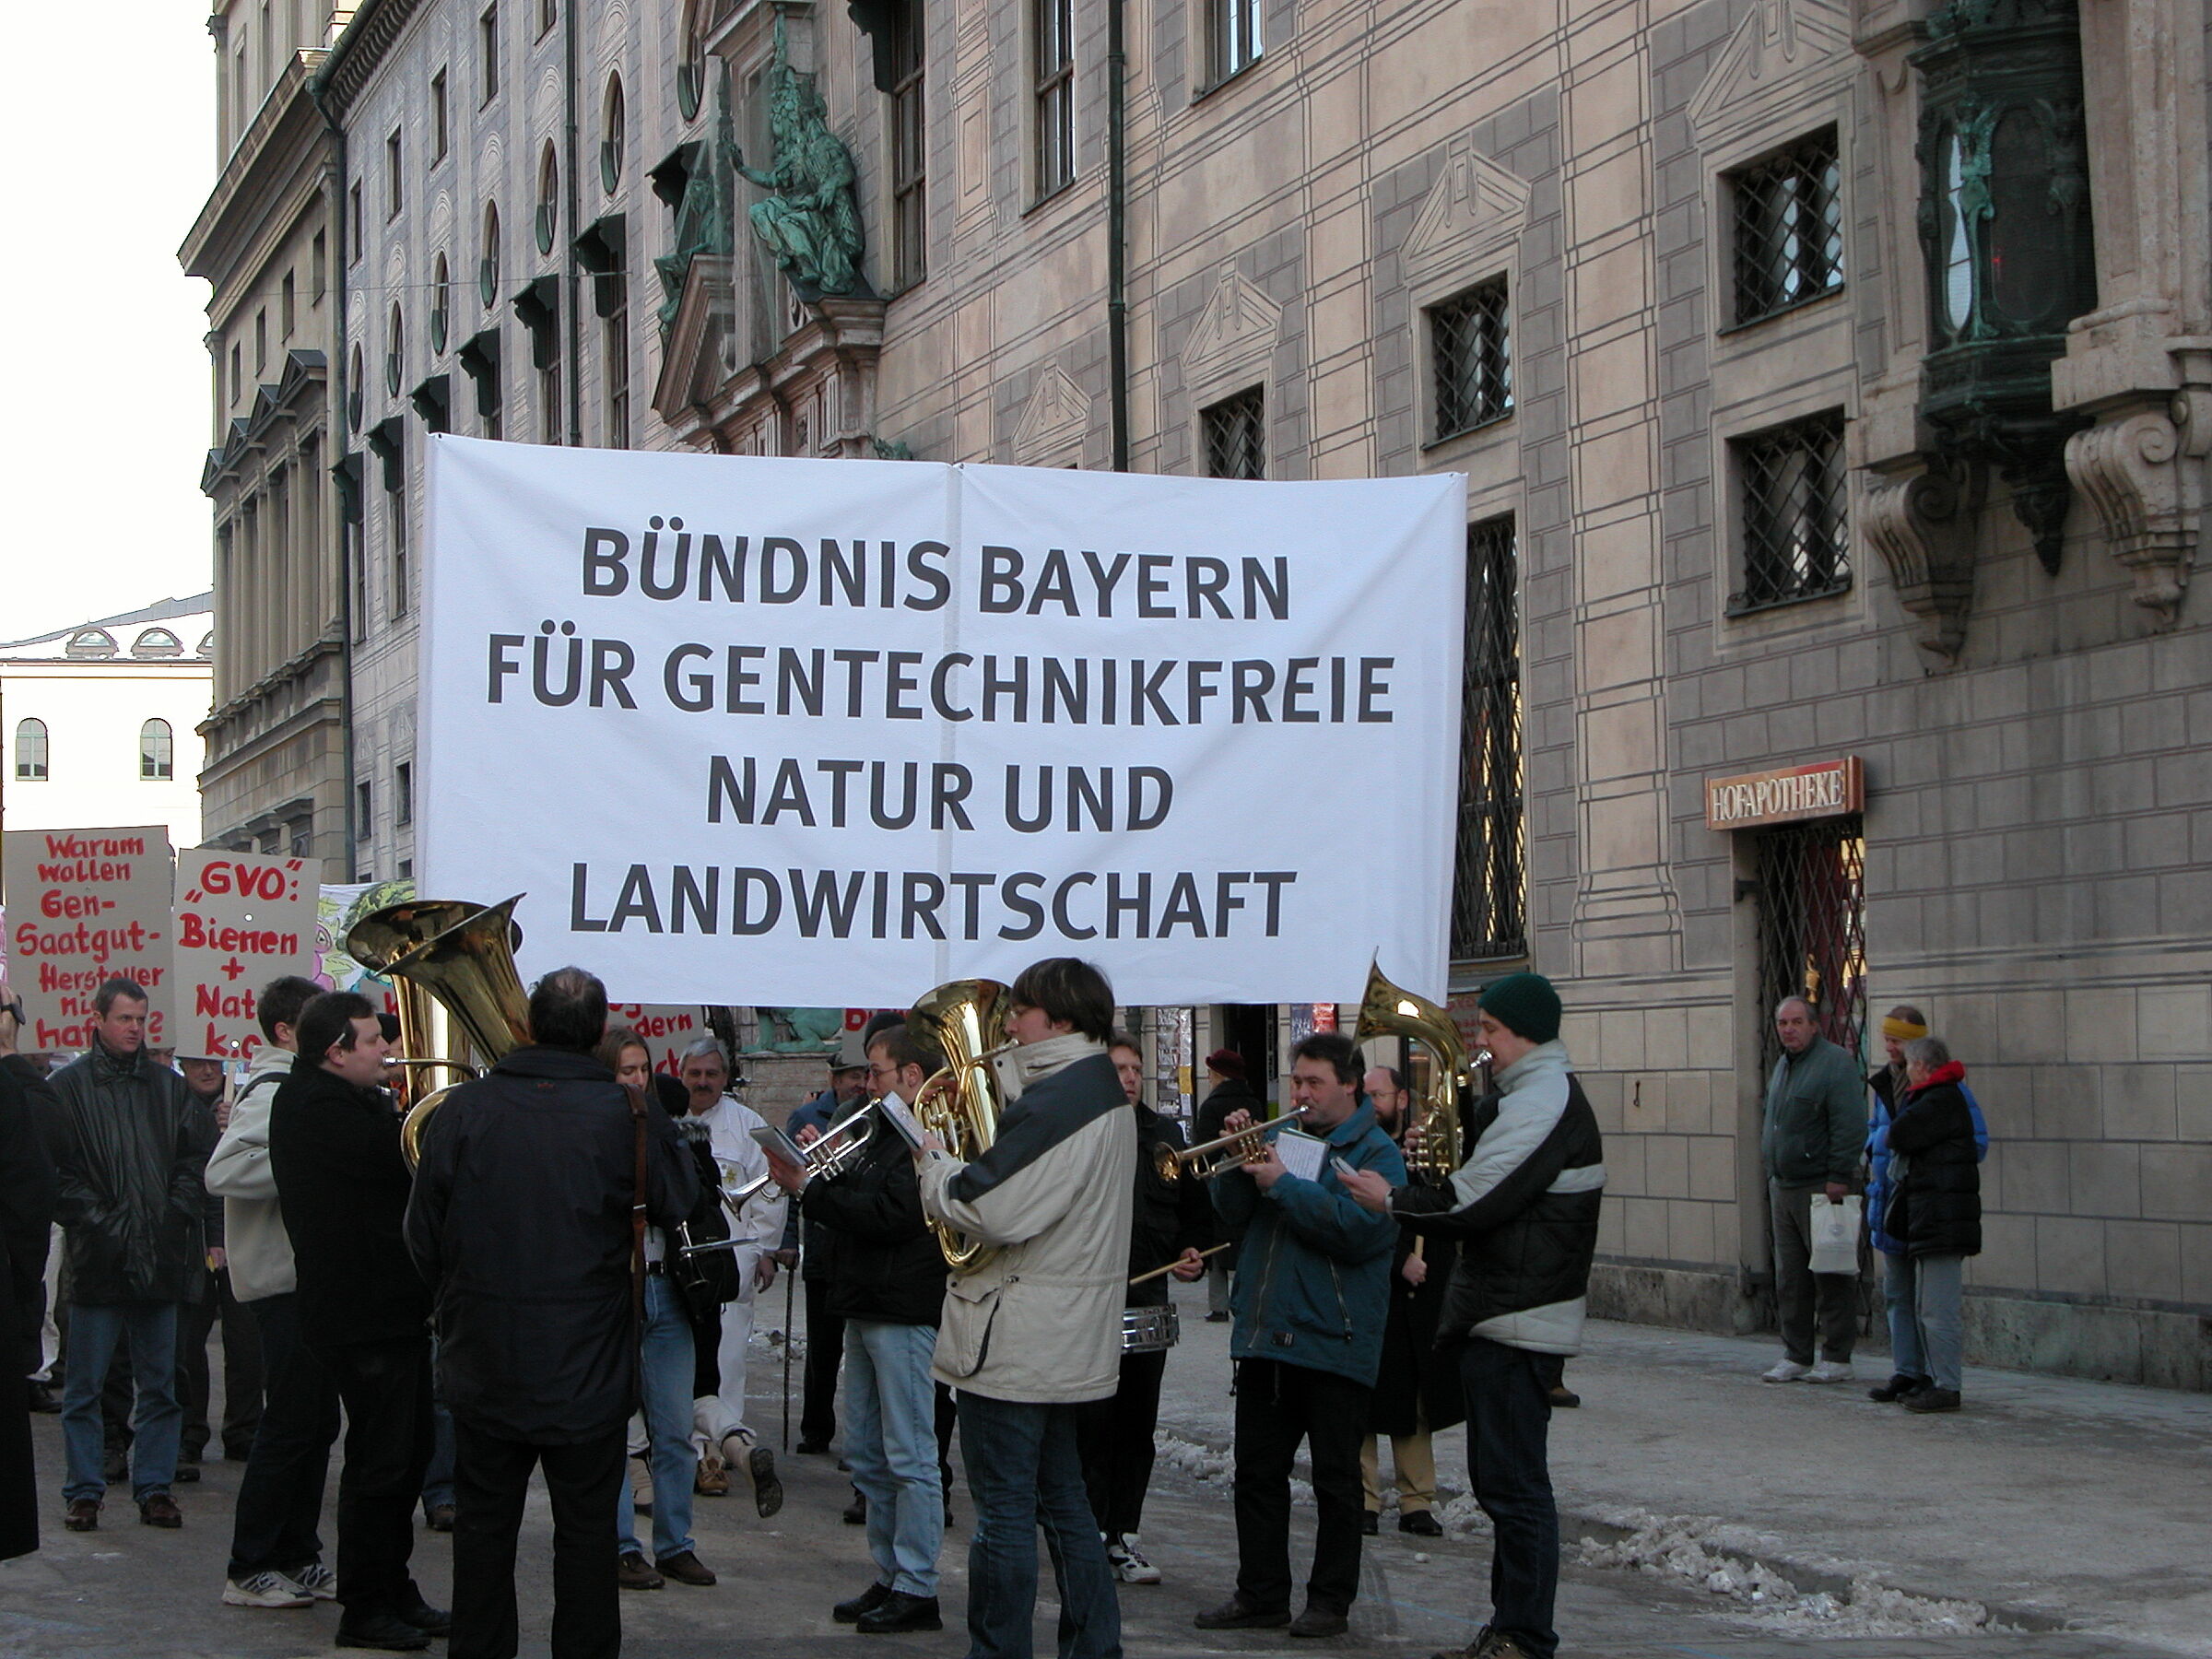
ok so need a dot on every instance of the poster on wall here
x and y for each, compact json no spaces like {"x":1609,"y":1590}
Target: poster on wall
{"x":828,"y":733}
{"x":242,"y":919}
{"x":84,"y":906}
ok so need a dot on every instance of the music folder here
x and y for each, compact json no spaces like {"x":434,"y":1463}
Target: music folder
{"x":903,"y":1120}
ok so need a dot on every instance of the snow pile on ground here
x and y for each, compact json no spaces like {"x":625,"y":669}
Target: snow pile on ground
{"x":1204,"y":1463}
{"x":1706,"y":1551}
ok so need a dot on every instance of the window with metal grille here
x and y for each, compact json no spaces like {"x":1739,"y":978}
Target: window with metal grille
{"x":1489,"y":917}
{"x":1812,"y":928}
{"x":1796,"y":536}
{"x":1232,"y":31}
{"x":157,"y":752}
{"x":1470,"y":357}
{"x":1789,"y":227}
{"x":1236,"y":436}
{"x":1053,"y":22}
{"x":617,"y":371}
{"x":909,"y":163}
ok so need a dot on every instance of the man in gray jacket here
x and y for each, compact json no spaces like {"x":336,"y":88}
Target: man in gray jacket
{"x":1811,"y":1141}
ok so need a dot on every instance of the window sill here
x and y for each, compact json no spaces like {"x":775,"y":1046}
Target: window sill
{"x":1051,"y":196}
{"x":1206,"y":92}
{"x":1764,"y":318}
{"x":1478,"y":429}
{"x":1736,"y":608}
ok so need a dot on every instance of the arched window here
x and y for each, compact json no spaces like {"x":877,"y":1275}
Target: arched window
{"x":157,"y":642}
{"x":91,"y":643}
{"x":613,"y":138}
{"x":691,"y":67}
{"x":31,"y":751}
{"x":395,"y":341}
{"x":355,"y":390}
{"x":206,"y":644}
{"x":441,"y":299}
{"x":157,"y":752}
{"x":487,"y":261}
{"x":548,"y":198}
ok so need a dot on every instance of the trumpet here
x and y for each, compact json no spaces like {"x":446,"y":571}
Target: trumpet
{"x":1248,"y":1144}
{"x":829,"y":1155}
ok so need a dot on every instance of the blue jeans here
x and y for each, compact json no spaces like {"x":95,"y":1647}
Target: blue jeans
{"x":665,"y":1359}
{"x":1024,"y":1472}
{"x":150,"y":1328}
{"x":891,"y":1443}
{"x":1938,"y":1285}
{"x":1508,"y":1423}
{"x":1906,"y":1356}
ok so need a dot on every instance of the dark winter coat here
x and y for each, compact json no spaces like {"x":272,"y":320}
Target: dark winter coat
{"x":1815,"y":1125}
{"x":1935,"y":1206}
{"x":342,"y":1187}
{"x":1231,"y":1094}
{"x":26,"y":1198}
{"x":1524,"y":1209}
{"x":1887,"y":1084}
{"x":881,"y":1260}
{"x":1170,"y":1216}
{"x":130,"y":1195}
{"x":1417,"y":1386}
{"x":521,"y":1219}
{"x":1310,"y":1287}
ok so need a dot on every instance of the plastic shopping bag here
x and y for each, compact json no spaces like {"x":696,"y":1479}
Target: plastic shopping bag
{"x":1835,"y":1234}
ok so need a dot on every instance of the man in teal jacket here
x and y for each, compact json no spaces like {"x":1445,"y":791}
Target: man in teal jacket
{"x":1312,"y":1292}
{"x":1811,"y":1142}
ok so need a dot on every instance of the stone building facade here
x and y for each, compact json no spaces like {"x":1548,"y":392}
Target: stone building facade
{"x":276,"y":773}
{"x":1828,"y":375}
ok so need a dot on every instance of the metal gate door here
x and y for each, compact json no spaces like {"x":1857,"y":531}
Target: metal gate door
{"x":1812,"y":922}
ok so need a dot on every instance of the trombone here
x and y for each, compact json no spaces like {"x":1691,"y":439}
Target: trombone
{"x":1248,"y":1144}
{"x":828,"y":1156}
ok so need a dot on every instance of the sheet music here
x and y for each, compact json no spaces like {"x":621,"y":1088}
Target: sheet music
{"x":1301,"y":1154}
{"x":904,"y":1121}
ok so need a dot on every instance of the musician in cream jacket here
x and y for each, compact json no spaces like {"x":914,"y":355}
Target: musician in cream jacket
{"x":1035,"y":1331}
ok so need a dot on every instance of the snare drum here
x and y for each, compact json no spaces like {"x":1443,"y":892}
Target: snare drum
{"x":1148,"y":1329}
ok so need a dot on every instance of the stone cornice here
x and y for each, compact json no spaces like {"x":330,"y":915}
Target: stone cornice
{"x":361,"y":50}
{"x":283,"y":130}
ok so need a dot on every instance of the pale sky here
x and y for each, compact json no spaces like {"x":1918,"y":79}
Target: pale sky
{"x":111,"y":113}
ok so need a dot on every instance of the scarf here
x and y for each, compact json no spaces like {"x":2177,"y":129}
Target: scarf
{"x":1031,"y":1063}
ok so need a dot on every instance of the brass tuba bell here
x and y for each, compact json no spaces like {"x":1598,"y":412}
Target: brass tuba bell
{"x":961,"y":1104}
{"x":453,"y":964}
{"x":1385,"y":1010}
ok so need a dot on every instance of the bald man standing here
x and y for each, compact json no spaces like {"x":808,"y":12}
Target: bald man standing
{"x":1812,"y":1140}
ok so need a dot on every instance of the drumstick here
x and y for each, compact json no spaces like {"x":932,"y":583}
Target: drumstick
{"x":1171,"y":1268}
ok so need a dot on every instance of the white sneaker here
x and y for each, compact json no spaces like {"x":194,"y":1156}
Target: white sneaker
{"x":1128,"y":1565}
{"x":1831,"y":1370}
{"x":1788,"y":1370}
{"x":317,"y":1579}
{"x":266,"y":1590}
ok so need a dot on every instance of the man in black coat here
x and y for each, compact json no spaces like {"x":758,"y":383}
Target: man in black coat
{"x":522,"y":1218}
{"x":27,"y":1195}
{"x":1225,"y":1071}
{"x":342,"y":1185}
{"x":130,"y":1200}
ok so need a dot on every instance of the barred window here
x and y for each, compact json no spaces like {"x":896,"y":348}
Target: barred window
{"x":1236,"y":436}
{"x":1488,"y":908}
{"x":908,"y":166}
{"x":1470,"y":357}
{"x":1053,"y":24}
{"x":1796,"y":538}
{"x":1789,"y":227}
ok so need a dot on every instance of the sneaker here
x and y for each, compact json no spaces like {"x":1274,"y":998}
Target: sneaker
{"x":1831,"y":1370}
{"x":1236,"y":1614}
{"x":387,"y":1632}
{"x":1932,"y":1399}
{"x":1421,"y":1524}
{"x":1788,"y":1371}
{"x":899,"y":1612}
{"x":82,"y":1515}
{"x":684,"y":1567}
{"x":317,"y":1579}
{"x":632,"y":1572}
{"x":867,"y":1601}
{"x":159,"y":1510}
{"x":266,"y":1590}
{"x":1128,"y":1563}
{"x":1319,"y":1621}
{"x":1897,"y":1388}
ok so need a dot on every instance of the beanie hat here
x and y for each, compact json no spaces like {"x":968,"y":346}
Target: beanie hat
{"x":1226,"y":1062}
{"x":1525,"y":1004}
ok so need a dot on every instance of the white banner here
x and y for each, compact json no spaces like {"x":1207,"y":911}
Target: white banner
{"x":833,"y":732}
{"x":243,"y":920}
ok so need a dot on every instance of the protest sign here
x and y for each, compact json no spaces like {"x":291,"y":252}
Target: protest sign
{"x":243,"y":920}
{"x":667,"y":1029}
{"x":84,"y":906}
{"x":803,"y":732}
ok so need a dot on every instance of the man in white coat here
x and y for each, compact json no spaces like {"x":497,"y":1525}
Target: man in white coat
{"x":1034,"y":1330}
{"x":276,"y":1551}
{"x":719,"y":1430}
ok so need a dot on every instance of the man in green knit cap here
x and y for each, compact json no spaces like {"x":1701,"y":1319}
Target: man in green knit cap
{"x":1524,"y":1209}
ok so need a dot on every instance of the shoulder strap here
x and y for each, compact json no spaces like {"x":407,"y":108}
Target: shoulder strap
{"x":637,"y":1208}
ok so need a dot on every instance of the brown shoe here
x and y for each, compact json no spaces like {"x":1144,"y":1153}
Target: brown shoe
{"x":684,"y":1568}
{"x":713,"y":1478}
{"x":83,"y":1514}
{"x":161,"y":1510}
{"x":632,"y":1574}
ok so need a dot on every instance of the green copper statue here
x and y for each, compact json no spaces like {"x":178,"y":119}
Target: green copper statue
{"x":705,"y":217}
{"x":810,"y":220}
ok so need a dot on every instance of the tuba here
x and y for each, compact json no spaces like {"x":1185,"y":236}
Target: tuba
{"x":961,"y":1020}
{"x":1387,"y":1011}
{"x":453,"y":964}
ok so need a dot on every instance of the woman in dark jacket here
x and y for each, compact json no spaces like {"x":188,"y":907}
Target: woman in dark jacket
{"x":1935,"y":1208}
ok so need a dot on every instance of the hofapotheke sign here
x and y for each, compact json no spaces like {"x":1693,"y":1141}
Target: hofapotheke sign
{"x":832,"y":732}
{"x":1824,"y":789}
